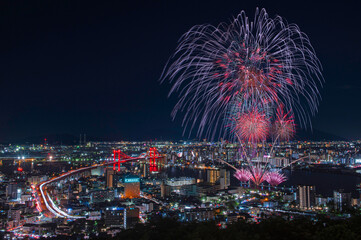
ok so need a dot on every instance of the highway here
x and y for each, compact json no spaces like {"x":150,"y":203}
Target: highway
{"x":46,"y":203}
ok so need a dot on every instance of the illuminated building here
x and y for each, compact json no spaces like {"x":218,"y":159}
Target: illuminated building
{"x":212,"y":175}
{"x":164,"y":190}
{"x":198,"y":214}
{"x":64,"y":229}
{"x":14,"y":216}
{"x":131,"y":186}
{"x":121,"y":217}
{"x":102,"y":196}
{"x":131,"y":217}
{"x":97,"y":171}
{"x":176,"y":182}
{"x":341,"y":199}
{"x":224,"y":179}
{"x":183,"y":186}
{"x":279,"y":162}
{"x":306,"y":196}
{"x":147,"y":207}
{"x":114,"y":217}
{"x":109,"y":177}
{"x":13,"y":191}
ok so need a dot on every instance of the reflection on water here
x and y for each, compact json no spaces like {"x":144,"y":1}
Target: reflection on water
{"x":325,"y":182}
{"x":9,"y":167}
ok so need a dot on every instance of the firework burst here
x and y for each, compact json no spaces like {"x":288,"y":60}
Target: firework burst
{"x":274,"y":178}
{"x":243,"y":65}
{"x":243,"y":175}
{"x":284,"y":125}
{"x":258,"y":175}
{"x":252,"y":126}
{"x":251,"y":77}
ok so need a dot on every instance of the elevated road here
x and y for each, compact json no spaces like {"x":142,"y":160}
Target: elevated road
{"x":45,"y":202}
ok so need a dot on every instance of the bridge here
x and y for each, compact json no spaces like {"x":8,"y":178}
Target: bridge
{"x":45,"y":203}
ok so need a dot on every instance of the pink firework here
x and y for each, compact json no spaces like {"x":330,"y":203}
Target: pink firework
{"x":243,"y":175}
{"x":284,"y":125}
{"x":252,"y":126}
{"x":274,"y":178}
{"x":258,"y":175}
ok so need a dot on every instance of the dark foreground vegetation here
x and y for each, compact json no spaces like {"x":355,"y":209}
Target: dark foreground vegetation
{"x":275,"y":228}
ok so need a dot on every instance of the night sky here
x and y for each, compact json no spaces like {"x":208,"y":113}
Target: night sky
{"x":70,"y":67}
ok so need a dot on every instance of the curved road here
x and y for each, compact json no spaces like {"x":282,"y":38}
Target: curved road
{"x":47,"y":204}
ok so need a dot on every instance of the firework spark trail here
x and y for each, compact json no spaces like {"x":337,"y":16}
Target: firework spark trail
{"x":297,"y":160}
{"x":230,"y":165}
{"x":242,"y":65}
{"x":284,"y":128}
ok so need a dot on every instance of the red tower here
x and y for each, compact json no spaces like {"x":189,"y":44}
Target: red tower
{"x":117,"y":157}
{"x":153,"y":154}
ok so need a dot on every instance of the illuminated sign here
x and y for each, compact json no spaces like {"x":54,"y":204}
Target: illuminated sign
{"x":131,"y":180}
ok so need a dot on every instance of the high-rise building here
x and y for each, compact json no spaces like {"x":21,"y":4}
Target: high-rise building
{"x":110,"y":177}
{"x":164,"y":190}
{"x":306,"y":196}
{"x":212,"y":176}
{"x":13,"y":191}
{"x":131,"y":186}
{"x":224,"y":179}
{"x":131,"y":217}
{"x":341,"y":199}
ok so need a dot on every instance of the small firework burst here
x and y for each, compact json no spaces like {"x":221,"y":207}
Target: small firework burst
{"x":242,"y":175}
{"x":284,"y":125}
{"x":274,"y":178}
{"x":252,"y":126}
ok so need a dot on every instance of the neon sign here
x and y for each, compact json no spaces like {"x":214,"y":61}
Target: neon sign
{"x":131,"y":180}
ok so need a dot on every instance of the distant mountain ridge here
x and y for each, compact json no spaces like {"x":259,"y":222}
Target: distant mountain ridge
{"x":69,"y":139}
{"x":317,"y":135}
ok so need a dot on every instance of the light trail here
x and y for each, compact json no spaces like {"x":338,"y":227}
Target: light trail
{"x":61,"y":211}
{"x":46,"y":199}
{"x":150,"y":198}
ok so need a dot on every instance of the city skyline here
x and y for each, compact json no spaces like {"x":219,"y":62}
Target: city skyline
{"x":180,"y":120}
{"x":95,"y":69}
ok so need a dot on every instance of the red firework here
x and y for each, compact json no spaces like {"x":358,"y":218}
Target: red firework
{"x":258,"y":175}
{"x":284,"y":125}
{"x":252,"y":126}
{"x":239,"y":75}
{"x":274,"y":178}
{"x":243,"y":175}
